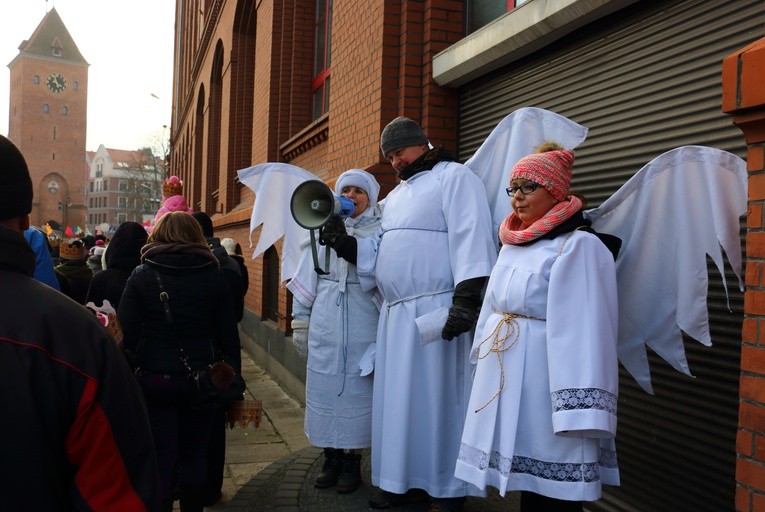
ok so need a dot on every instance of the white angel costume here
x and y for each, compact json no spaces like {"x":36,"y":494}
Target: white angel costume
{"x":542,"y":413}
{"x":342,"y":326}
{"x":436,"y":232}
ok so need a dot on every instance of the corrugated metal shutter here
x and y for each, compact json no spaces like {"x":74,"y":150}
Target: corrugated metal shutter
{"x":644,"y":81}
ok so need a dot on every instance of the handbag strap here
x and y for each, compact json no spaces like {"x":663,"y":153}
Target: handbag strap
{"x":165,"y":299}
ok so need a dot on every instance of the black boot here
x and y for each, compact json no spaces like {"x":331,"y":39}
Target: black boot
{"x":330,"y":470}
{"x":350,"y":478}
{"x":168,"y":504}
{"x":192,"y":497}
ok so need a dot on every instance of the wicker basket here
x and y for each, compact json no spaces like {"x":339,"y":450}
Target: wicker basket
{"x":245,"y":412}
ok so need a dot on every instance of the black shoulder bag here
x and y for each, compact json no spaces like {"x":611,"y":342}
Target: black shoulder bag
{"x":218,"y":385}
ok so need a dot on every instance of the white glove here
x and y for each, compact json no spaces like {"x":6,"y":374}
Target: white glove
{"x":300,"y":341}
{"x":300,"y":337}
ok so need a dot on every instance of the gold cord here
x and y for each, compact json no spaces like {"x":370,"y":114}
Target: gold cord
{"x":507,"y":329}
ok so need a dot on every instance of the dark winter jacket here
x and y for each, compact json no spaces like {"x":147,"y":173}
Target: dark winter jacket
{"x":76,"y":435}
{"x":202,"y":311}
{"x":78,"y":276}
{"x":121,"y":257}
{"x":233,"y":274}
{"x":243,"y":270}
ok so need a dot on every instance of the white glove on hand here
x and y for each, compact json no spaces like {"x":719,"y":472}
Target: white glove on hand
{"x":300,"y":341}
{"x":300,"y":337}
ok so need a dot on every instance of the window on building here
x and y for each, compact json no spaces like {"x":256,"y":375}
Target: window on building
{"x":91,"y":186}
{"x":64,"y":110}
{"x":45,"y":108}
{"x":122,"y":202}
{"x":321,"y":58}
{"x":122,"y":186}
{"x":121,"y":217}
{"x":75,"y":85}
{"x":36,"y":80}
{"x":56,"y":51}
{"x":99,"y":170}
{"x":482,"y":12}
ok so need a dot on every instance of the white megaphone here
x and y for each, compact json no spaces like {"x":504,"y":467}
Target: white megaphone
{"x":312,"y":205}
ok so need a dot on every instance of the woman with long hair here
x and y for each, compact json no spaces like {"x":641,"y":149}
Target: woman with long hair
{"x":177,"y":315}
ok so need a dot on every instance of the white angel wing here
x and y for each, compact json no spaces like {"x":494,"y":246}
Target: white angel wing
{"x":681,"y":206}
{"x":273,"y":184}
{"x":513,"y":138}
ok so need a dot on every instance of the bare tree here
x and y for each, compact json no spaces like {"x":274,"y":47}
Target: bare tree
{"x":142,"y":182}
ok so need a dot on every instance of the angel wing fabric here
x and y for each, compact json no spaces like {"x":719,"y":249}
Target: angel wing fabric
{"x":682,"y":206}
{"x":273,"y":184}
{"x":513,"y":138}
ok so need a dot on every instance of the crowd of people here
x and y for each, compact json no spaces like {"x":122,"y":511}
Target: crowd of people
{"x":464,"y":358}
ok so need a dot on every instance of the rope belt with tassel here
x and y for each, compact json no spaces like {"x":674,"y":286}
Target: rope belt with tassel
{"x":502,"y":338}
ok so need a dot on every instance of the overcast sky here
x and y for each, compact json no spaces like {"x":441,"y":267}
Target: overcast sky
{"x":129,"y":46}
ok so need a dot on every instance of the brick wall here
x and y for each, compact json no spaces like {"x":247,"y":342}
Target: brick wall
{"x":744,"y":98}
{"x":381,"y":68}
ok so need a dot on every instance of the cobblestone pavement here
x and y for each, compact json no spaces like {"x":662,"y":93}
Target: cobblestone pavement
{"x":272,"y":468}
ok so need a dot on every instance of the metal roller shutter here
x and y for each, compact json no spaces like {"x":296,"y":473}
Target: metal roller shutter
{"x":646,"y":80}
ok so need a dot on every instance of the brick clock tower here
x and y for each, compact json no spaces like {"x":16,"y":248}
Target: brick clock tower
{"x":48,"y":113}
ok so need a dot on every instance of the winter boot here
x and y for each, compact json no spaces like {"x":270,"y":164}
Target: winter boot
{"x":331,"y":469}
{"x":350,"y":478}
{"x":192,"y":497}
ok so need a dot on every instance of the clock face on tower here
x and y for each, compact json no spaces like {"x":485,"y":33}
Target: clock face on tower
{"x":56,"y":82}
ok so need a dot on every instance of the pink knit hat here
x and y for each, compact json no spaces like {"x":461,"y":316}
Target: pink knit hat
{"x":551,"y":169}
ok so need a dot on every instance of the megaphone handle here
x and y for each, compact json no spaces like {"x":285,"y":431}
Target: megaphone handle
{"x":326,"y":259}
{"x":316,"y":266}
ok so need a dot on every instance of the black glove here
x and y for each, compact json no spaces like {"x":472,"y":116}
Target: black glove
{"x":330,"y":232}
{"x":461,"y":319}
{"x":466,"y":305}
{"x":333,"y":234}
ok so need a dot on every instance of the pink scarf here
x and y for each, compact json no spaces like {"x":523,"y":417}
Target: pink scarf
{"x":511,"y":233}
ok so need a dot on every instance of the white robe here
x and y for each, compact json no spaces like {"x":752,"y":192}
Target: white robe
{"x":436,"y":232}
{"x":551,"y":429}
{"x":342,"y":326}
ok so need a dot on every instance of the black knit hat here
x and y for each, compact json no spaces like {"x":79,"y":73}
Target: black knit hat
{"x":402,"y":132}
{"x":205,"y":222}
{"x":15,"y":183}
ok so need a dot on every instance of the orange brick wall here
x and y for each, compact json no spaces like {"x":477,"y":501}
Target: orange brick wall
{"x":743,"y":98}
{"x":381,"y":68}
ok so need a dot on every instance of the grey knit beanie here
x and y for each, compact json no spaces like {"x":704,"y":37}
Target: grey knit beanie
{"x":402,"y":132}
{"x":15,"y":183}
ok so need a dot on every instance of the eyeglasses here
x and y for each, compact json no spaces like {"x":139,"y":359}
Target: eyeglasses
{"x":527,"y":188}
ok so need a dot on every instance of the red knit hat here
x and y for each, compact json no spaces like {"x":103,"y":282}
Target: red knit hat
{"x":551,"y":168}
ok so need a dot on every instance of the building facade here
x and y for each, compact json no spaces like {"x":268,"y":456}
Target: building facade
{"x":122,"y":185}
{"x":313,"y":82}
{"x":47,"y":120}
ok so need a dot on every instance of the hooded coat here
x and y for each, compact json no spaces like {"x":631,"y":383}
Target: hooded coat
{"x":122,"y":256}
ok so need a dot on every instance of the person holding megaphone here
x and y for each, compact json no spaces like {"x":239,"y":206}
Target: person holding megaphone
{"x":334,"y":324}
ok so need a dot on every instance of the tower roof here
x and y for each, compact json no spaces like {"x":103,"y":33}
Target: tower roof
{"x":51,"y":36}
